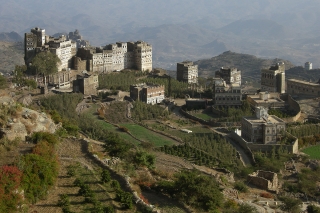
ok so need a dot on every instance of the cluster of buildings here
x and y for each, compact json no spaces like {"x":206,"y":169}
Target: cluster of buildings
{"x":76,"y":53}
{"x":80,"y":63}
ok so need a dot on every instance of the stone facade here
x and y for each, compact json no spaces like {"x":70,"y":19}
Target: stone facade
{"x":86,"y":84}
{"x":273,"y":79}
{"x":226,"y":94}
{"x":265,"y":180}
{"x":298,"y":87}
{"x":115,"y":57}
{"x":229,"y":75}
{"x":36,"y":41}
{"x":187,"y":72}
{"x":150,"y":94}
{"x":262,"y":128}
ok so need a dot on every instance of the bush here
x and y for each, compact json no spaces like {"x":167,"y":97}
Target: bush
{"x":10,"y":178}
{"x":266,"y":195}
{"x":313,"y":209}
{"x":241,"y":187}
{"x":43,"y":136}
{"x":115,"y":185}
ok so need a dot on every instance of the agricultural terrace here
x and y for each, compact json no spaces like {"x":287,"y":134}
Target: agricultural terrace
{"x":313,"y":152}
{"x":147,"y":135}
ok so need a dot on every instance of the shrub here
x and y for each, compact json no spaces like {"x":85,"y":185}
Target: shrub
{"x":10,"y":178}
{"x":105,"y":176}
{"x":241,"y":187}
{"x":115,"y":184}
{"x":125,"y":198}
{"x":266,"y":195}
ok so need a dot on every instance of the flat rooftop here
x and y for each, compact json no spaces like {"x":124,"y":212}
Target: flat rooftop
{"x":257,"y":99}
{"x":271,"y":119}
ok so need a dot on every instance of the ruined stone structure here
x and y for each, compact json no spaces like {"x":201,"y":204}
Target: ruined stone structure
{"x":273,"y":79}
{"x":150,"y":94}
{"x":37,"y":41}
{"x":115,"y":57}
{"x":187,"y":72}
{"x":226,"y":94}
{"x":264,"y":179}
{"x":229,"y":75}
{"x":262,"y":128}
{"x":86,"y":84}
{"x":299,"y":87}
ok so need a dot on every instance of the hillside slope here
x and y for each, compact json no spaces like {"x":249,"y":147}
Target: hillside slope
{"x":250,"y":65}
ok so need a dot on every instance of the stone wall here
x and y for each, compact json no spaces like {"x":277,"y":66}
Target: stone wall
{"x":294,"y":105}
{"x":293,"y":148}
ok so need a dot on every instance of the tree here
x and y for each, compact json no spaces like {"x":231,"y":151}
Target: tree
{"x":144,"y":159}
{"x":198,"y":190}
{"x":105,"y":176}
{"x":45,"y":63}
{"x":290,"y":205}
{"x":3,"y":82}
{"x":19,"y":71}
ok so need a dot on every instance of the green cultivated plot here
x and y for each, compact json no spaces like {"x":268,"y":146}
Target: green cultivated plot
{"x":313,"y":152}
{"x":147,"y":135}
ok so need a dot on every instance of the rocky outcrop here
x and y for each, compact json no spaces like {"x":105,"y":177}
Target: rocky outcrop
{"x":23,"y":121}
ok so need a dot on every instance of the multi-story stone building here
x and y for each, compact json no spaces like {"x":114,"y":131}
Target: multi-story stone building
{"x":150,"y":94}
{"x":262,"y":128}
{"x":187,"y":72}
{"x":37,"y":41}
{"x":308,"y":66}
{"x":86,"y":84}
{"x":299,"y":87}
{"x":230,"y":75}
{"x":273,"y":79}
{"x":226,"y":94}
{"x":113,"y":57}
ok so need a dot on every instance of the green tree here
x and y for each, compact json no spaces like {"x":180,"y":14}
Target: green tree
{"x":3,"y":82}
{"x":19,"y":72}
{"x":198,"y":190}
{"x":144,"y":159}
{"x":105,"y":176}
{"x":290,"y":205}
{"x":45,"y":63}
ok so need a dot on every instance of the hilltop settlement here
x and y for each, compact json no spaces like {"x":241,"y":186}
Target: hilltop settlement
{"x":99,"y":129}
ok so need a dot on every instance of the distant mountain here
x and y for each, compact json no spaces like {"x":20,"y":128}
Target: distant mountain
{"x":11,"y":54}
{"x":256,"y":28}
{"x":249,"y":65}
{"x":11,"y":37}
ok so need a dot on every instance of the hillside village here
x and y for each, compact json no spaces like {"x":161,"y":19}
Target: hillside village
{"x":133,"y":138}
